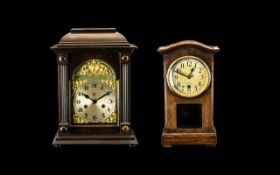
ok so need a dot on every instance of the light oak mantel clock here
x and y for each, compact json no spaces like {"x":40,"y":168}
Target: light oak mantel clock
{"x":188,"y":93}
{"x":94,"y":88}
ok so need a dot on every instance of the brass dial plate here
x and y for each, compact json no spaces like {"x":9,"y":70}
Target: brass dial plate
{"x":93,"y":73}
{"x":94,"y":102}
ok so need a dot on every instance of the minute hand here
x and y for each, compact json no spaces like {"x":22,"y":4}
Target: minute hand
{"x":107,"y":93}
{"x":181,"y":74}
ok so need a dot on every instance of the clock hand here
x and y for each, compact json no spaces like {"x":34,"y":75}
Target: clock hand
{"x":87,"y":96}
{"x":95,"y":100}
{"x":190,"y":75}
{"x":181,"y":73}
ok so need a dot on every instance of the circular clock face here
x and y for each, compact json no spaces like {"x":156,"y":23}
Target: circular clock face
{"x":188,"y":76}
{"x":94,"y":102}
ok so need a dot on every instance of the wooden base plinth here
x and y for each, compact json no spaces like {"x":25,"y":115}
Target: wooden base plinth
{"x":93,"y":139}
{"x":169,"y":139}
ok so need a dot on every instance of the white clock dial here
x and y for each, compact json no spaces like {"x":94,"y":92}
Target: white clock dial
{"x":188,"y":76}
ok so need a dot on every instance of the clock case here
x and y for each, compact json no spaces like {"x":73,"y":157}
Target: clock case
{"x":76,"y":47}
{"x":172,"y":134}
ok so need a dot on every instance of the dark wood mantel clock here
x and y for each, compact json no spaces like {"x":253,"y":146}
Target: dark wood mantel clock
{"x":189,"y":94}
{"x":93,"y":88}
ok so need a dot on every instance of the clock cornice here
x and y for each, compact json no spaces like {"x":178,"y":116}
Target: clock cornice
{"x":168,"y":48}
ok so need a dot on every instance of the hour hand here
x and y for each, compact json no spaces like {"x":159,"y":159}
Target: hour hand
{"x":190,"y":75}
{"x":87,"y":96}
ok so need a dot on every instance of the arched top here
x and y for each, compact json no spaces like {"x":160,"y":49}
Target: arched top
{"x":167,"y":48}
{"x":94,"y":69}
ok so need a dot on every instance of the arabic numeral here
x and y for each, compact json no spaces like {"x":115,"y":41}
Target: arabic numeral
{"x":94,"y":117}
